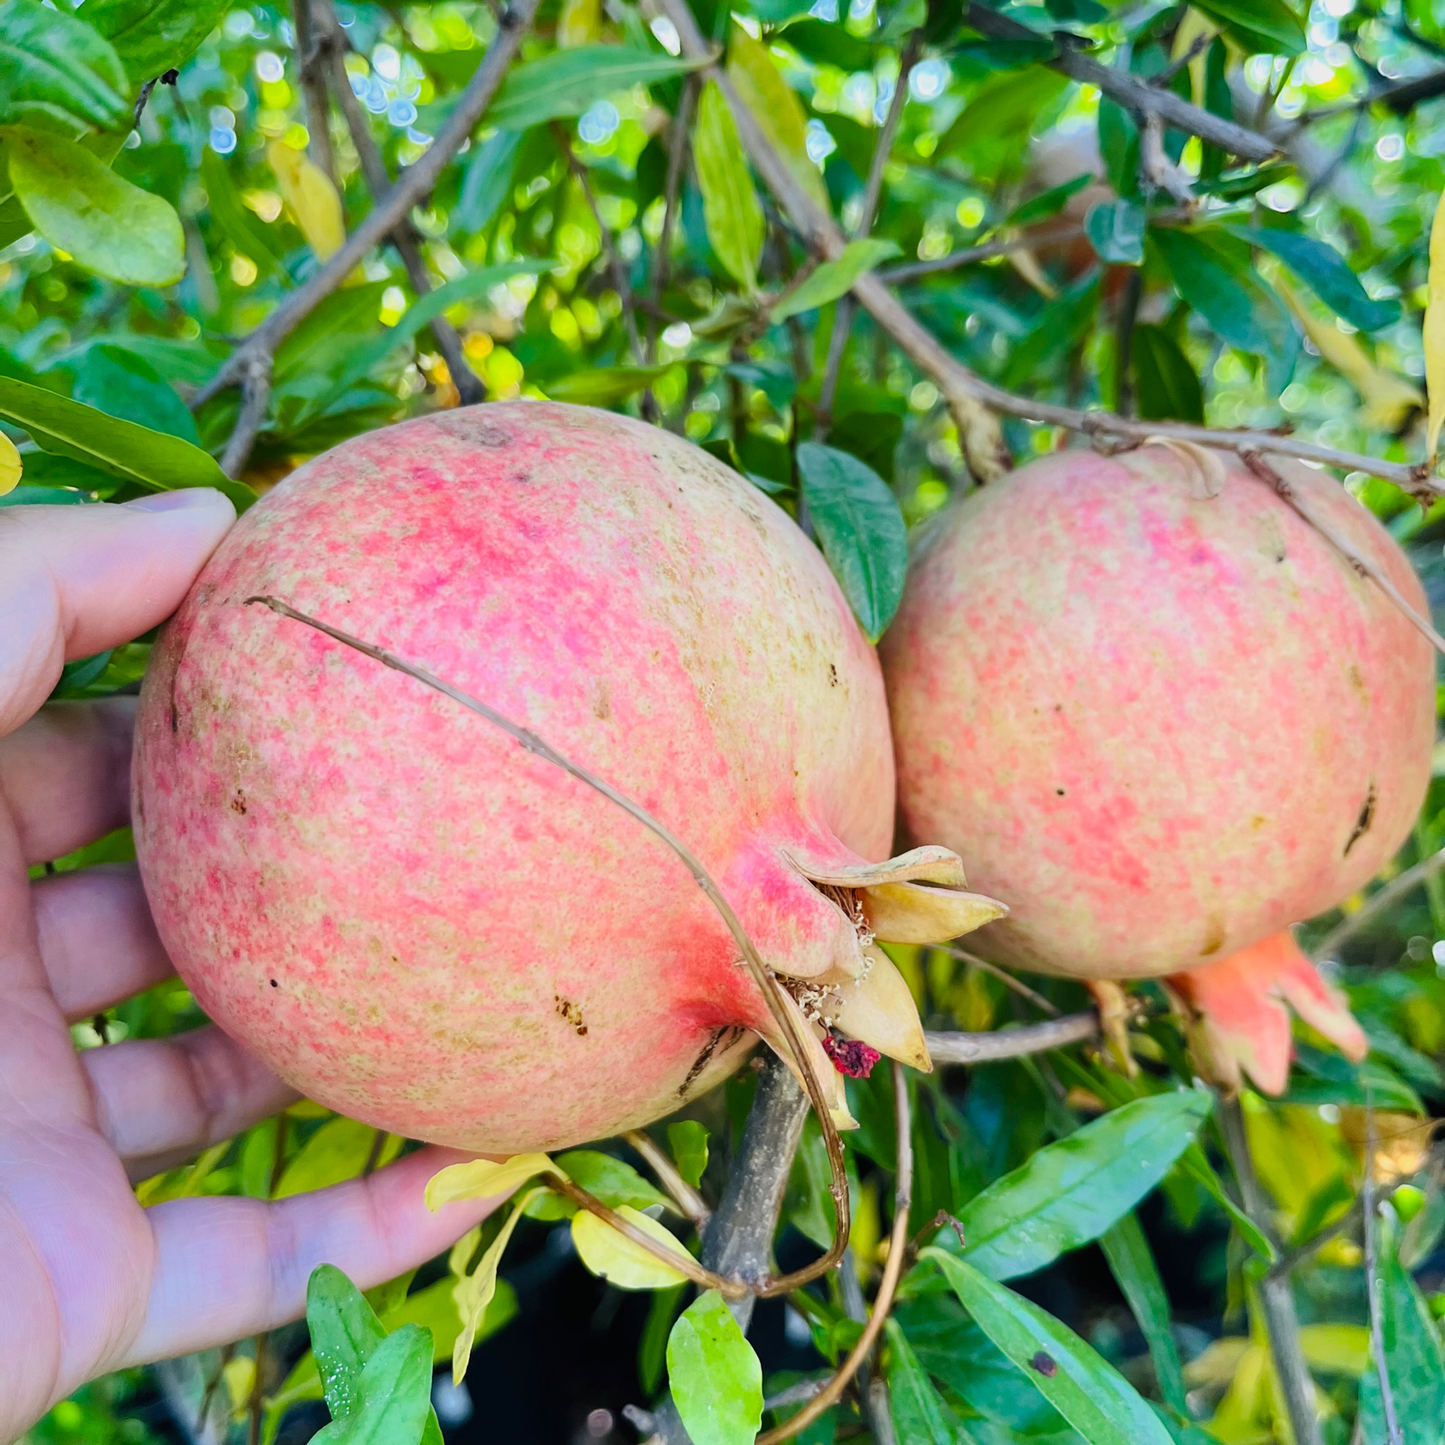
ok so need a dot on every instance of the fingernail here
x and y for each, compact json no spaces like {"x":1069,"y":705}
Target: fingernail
{"x":175,"y":501}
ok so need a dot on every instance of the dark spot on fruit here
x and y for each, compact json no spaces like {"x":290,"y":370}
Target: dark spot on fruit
{"x":1060,"y":792}
{"x":1046,"y":1365}
{"x":1362,"y":823}
{"x":602,"y":708}
{"x":238,"y":803}
{"x":1213,"y":938}
{"x":572,"y":1012}
{"x":274,"y":984}
{"x":701,"y":1061}
{"x":175,"y":718}
{"x":832,"y":675}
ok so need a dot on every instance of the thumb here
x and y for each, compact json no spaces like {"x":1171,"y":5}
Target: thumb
{"x":75,"y":580}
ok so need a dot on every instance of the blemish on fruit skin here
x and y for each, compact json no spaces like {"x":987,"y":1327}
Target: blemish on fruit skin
{"x":572,"y":1012}
{"x":1362,"y":823}
{"x":238,"y":802}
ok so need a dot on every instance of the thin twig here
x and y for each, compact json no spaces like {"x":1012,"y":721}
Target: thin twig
{"x":255,"y":395}
{"x":829,"y":1395}
{"x":843,"y":314}
{"x":1401,"y":98}
{"x":1132,"y":92}
{"x":883,"y":146}
{"x":310,"y":44}
{"x":1281,"y":1321}
{"x":1378,"y":903}
{"x":1002,"y":974}
{"x":688,"y":1199}
{"x":676,"y":162}
{"x":1372,"y":1278}
{"x":615,"y":263}
{"x":1289,"y":1260}
{"x":961,"y":1048}
{"x":763,"y":976}
{"x":330,"y":45}
{"x":1030,"y":239}
{"x":1353,"y":556}
{"x":1202,"y":42}
{"x":413,"y":186}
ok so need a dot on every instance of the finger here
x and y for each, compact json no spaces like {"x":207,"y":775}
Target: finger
{"x":98,"y":941}
{"x":76,"y":580}
{"x":227,"y":1267}
{"x":162,"y":1097}
{"x":65,"y":775}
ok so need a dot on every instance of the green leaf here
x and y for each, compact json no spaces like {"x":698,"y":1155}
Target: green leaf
{"x":58,"y":73}
{"x":1132,"y":1262}
{"x":1324,"y":270}
{"x":153,"y":36}
{"x":337,"y":1151}
{"x":832,"y":279}
{"x":1049,"y":203}
{"x":119,"y":382}
{"x":1267,"y":25}
{"x":392,"y":1400}
{"x":1119,"y":147}
{"x":830,"y":42}
{"x":731,"y":212}
{"x":568,"y":82}
{"x":604,"y":385}
{"x":860,"y":529}
{"x":344,"y":1332}
{"x":1004,"y":107}
{"x":688,"y":1141}
{"x":332,"y":333}
{"x":233,"y":219}
{"x":919,"y":1415}
{"x":714,"y":1375}
{"x":652,"y":1348}
{"x":1195,"y":1164}
{"x":1071,"y":1191}
{"x":1409,"y":1341}
{"x":487,"y":183}
{"x":149,"y":459}
{"x":1228,"y":295}
{"x":613,"y":1181}
{"x":1116,"y":232}
{"x":79,"y":205}
{"x":1092,"y":1396}
{"x":1165,"y":384}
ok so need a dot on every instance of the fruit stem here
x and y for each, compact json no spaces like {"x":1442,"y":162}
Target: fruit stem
{"x":688,"y":1199}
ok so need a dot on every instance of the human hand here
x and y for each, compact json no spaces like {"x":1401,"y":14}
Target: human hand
{"x":89,"y":1281}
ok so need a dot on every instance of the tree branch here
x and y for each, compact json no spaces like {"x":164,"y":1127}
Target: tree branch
{"x":1281,"y":1321}
{"x":312,"y":62}
{"x":968,"y":255}
{"x":954,"y":1048}
{"x":1130,"y":91}
{"x":1378,"y":903}
{"x":414,"y":185}
{"x":331,"y":45}
{"x":1401,"y":98}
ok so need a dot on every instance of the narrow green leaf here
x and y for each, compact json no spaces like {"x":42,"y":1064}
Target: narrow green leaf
{"x":236,"y":223}
{"x":832,"y":279}
{"x":714,"y":1375}
{"x":487,"y":183}
{"x":1049,"y":203}
{"x":860,"y":529}
{"x":919,"y":1415}
{"x":393,"y":1395}
{"x":344,"y":1332}
{"x":58,"y":72}
{"x":652,"y":1348}
{"x":137,"y":454}
{"x":1324,"y":271}
{"x":688,"y":1141}
{"x":1409,"y":1341}
{"x":119,"y":382}
{"x":1165,"y":384}
{"x":604,"y":385}
{"x":613,"y":1181}
{"x":1268,"y":25}
{"x":568,"y":82}
{"x":1228,"y":295}
{"x":1195,"y":1163}
{"x":1116,"y":232}
{"x":1119,"y":147}
{"x":731,"y":212}
{"x":1005,"y":105}
{"x":337,"y":1151}
{"x":1132,"y":1262}
{"x":153,"y":36}
{"x":79,"y":205}
{"x":1092,"y":1396}
{"x":1071,"y":1191}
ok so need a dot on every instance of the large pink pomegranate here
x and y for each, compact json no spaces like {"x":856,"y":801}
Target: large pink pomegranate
{"x":419,"y":923}
{"x":1163,"y":717}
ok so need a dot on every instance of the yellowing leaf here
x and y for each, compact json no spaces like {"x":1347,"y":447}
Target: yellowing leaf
{"x":484,"y":1178}
{"x":314,"y":202}
{"x":1336,"y":1349}
{"x":617,"y":1259}
{"x":731,"y":214}
{"x":580,"y":23}
{"x":239,"y":1373}
{"x":1388,"y":398}
{"x":10,"y":465}
{"x":1435,"y":334}
{"x":473,"y":1292}
{"x":778,"y":110}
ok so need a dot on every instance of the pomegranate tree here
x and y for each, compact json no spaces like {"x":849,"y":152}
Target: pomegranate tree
{"x":417,"y":922}
{"x":1163,"y":717}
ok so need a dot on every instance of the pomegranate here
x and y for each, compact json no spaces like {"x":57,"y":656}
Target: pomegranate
{"x":417,"y":922}
{"x":1165,"y":719}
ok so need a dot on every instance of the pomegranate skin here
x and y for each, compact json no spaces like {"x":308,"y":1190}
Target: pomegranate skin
{"x":412,"y":919}
{"x":1161,"y":725}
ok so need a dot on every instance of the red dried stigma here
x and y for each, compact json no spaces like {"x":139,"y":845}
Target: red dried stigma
{"x":850,"y":1056}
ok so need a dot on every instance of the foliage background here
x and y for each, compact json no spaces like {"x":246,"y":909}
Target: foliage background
{"x":547,"y":233}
